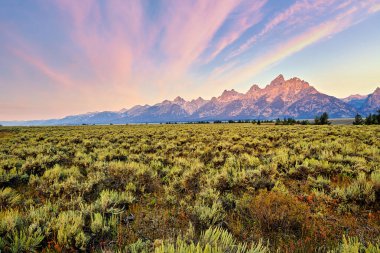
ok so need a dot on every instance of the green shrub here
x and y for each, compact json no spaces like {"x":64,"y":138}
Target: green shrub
{"x":25,"y":241}
{"x":111,"y":201}
{"x":353,"y":245}
{"x":97,"y":223}
{"x":212,"y":240}
{"x":10,"y":220}
{"x":2,"y":244}
{"x":360,"y":191}
{"x":320,"y":183}
{"x":208,"y":215}
{"x":139,"y":246}
{"x":43,"y":217}
{"x":9,"y":198}
{"x":69,"y":228}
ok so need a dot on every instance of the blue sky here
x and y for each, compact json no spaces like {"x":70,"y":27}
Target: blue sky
{"x":64,"y":57}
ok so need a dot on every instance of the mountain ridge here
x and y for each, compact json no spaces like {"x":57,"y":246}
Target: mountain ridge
{"x":280,"y":98}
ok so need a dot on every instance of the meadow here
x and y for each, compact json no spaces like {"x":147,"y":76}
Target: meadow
{"x":190,"y":188}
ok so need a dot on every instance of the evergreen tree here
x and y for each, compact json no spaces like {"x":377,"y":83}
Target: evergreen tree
{"x":368,"y":119}
{"x":322,"y":120}
{"x":358,"y":120}
{"x":317,"y":121}
{"x":325,"y":119}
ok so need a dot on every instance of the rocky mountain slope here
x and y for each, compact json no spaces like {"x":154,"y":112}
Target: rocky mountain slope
{"x":281,"y":98}
{"x":357,"y":101}
{"x":372,"y":102}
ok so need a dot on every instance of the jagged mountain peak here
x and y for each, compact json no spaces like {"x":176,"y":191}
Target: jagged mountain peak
{"x":277,"y":81}
{"x":280,"y":77}
{"x":229,"y":95}
{"x":297,"y":83}
{"x":122,"y":110}
{"x":292,"y":83}
{"x":254,"y":88}
{"x":228,"y":92}
{"x":179,"y":100}
{"x":199,"y":99}
{"x":166,"y":101}
{"x":287,"y":90}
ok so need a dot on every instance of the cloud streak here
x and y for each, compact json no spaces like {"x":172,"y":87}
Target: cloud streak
{"x":297,"y":13}
{"x":246,"y":17}
{"x":350,"y":14}
{"x":40,"y":65}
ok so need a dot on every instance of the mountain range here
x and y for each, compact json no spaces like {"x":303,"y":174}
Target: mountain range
{"x":294,"y":98}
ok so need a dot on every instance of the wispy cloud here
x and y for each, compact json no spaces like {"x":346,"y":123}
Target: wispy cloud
{"x":40,"y":65}
{"x":238,"y":73}
{"x":297,"y":13}
{"x":188,"y":28}
{"x":120,"y":41}
{"x":107,"y":50}
{"x":20,"y":48}
{"x":248,"y":15}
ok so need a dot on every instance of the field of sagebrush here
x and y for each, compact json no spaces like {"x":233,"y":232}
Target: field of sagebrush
{"x":190,"y":188}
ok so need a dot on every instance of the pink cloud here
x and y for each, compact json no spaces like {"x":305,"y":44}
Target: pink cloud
{"x":44,"y":68}
{"x":373,"y":6}
{"x":111,"y":41}
{"x":190,"y":26}
{"x":24,"y":51}
{"x":184,"y":31}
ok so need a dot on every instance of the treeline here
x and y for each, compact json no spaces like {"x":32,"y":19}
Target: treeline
{"x":371,"y":119}
{"x":318,"y":120}
{"x":291,"y":121}
{"x":221,"y":121}
{"x":255,"y":121}
{"x":323,"y":119}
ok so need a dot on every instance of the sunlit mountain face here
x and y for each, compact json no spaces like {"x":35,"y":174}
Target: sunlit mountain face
{"x":64,"y":57}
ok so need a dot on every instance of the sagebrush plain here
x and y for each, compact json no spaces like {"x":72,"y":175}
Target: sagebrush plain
{"x":190,"y":188}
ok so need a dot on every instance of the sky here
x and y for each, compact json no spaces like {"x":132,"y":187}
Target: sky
{"x":65,"y":57}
